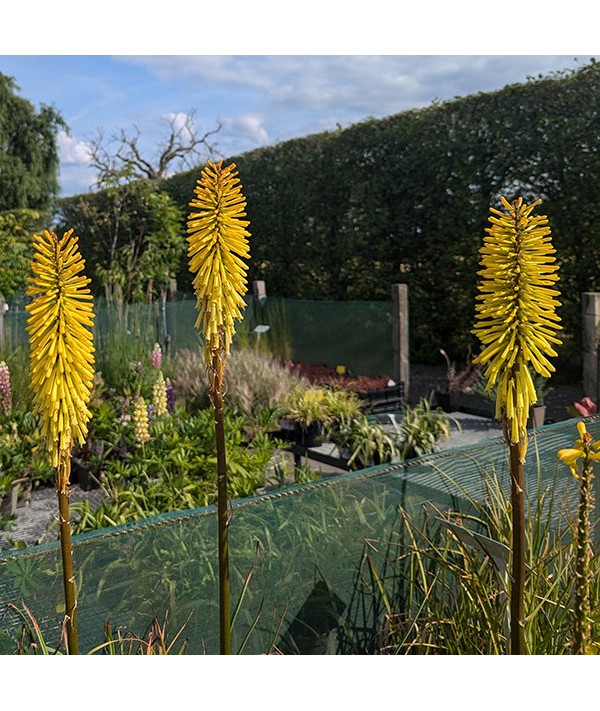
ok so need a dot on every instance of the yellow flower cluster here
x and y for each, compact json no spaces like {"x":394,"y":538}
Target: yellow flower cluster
{"x":217,"y":239}
{"x":516,"y":318}
{"x":584,"y":448}
{"x":61,"y":344}
{"x":159,"y":395}
{"x":140,"y":421}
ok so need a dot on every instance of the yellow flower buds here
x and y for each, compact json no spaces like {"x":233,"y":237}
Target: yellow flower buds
{"x":218,"y":244}
{"x":516,"y":320}
{"x":159,"y":395}
{"x":140,"y":421}
{"x":584,"y":448}
{"x":61,"y":343}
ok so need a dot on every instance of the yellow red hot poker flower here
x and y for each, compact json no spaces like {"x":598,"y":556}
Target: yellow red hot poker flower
{"x":584,"y":448}
{"x":217,"y":238}
{"x":218,"y":244}
{"x":61,"y":344}
{"x":516,"y":319}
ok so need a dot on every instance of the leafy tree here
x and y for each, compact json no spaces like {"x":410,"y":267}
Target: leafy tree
{"x":132,"y":236}
{"x":342,"y":215}
{"x":16,"y":229}
{"x":28,"y":151}
{"x":131,"y":231}
{"x":164,"y":245}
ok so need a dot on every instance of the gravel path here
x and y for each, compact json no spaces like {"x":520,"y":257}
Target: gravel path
{"x":36,"y":522}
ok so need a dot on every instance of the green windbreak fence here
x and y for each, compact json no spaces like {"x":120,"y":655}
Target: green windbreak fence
{"x":357,"y":334}
{"x":304,"y":547}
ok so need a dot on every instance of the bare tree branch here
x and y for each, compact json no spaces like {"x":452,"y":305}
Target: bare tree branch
{"x":182,"y":146}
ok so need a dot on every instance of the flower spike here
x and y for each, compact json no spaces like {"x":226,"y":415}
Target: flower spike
{"x":5,"y":389}
{"x":218,"y":244}
{"x":516,"y":318}
{"x":61,"y":345}
{"x":62,"y":375}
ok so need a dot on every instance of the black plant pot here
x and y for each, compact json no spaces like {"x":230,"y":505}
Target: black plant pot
{"x":444,"y":400}
{"x":308,"y":435}
{"x":466,"y":402}
{"x":82,"y":474}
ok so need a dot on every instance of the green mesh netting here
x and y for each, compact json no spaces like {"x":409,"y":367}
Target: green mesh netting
{"x":304,"y":545}
{"x":357,"y":334}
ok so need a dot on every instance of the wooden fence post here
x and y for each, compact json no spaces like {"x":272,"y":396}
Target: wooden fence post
{"x":400,"y":337}
{"x":590,"y":302}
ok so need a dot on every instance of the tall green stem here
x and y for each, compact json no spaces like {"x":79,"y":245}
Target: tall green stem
{"x":222,"y":512}
{"x":517,"y":591}
{"x":583,"y":627}
{"x":67,"y":562}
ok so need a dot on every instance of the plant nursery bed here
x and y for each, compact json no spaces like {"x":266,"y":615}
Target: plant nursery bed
{"x":321,"y":374}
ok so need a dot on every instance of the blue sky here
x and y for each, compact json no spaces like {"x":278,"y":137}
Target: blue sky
{"x":116,"y":77}
{"x":259,"y":100}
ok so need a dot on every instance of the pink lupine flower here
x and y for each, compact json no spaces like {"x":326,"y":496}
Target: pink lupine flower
{"x":5,"y":391}
{"x":156,"y":357}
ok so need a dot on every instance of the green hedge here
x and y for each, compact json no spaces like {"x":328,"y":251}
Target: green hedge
{"x":343,"y":215}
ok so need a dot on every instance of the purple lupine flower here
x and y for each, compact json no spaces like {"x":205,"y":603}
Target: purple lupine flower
{"x":5,"y":391}
{"x":156,"y":357}
{"x":170,"y":396}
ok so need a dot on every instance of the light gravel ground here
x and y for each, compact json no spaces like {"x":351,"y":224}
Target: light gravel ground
{"x":36,"y":522}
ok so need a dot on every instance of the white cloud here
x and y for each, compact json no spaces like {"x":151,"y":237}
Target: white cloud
{"x":73,"y":151}
{"x":264,"y":99}
{"x":76,"y":179}
{"x":181,"y":123}
{"x":247,"y":126}
{"x":364,"y":84}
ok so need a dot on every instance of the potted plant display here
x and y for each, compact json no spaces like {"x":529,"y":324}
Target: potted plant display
{"x":362,"y":443}
{"x":465,"y":391}
{"x":308,"y":410}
